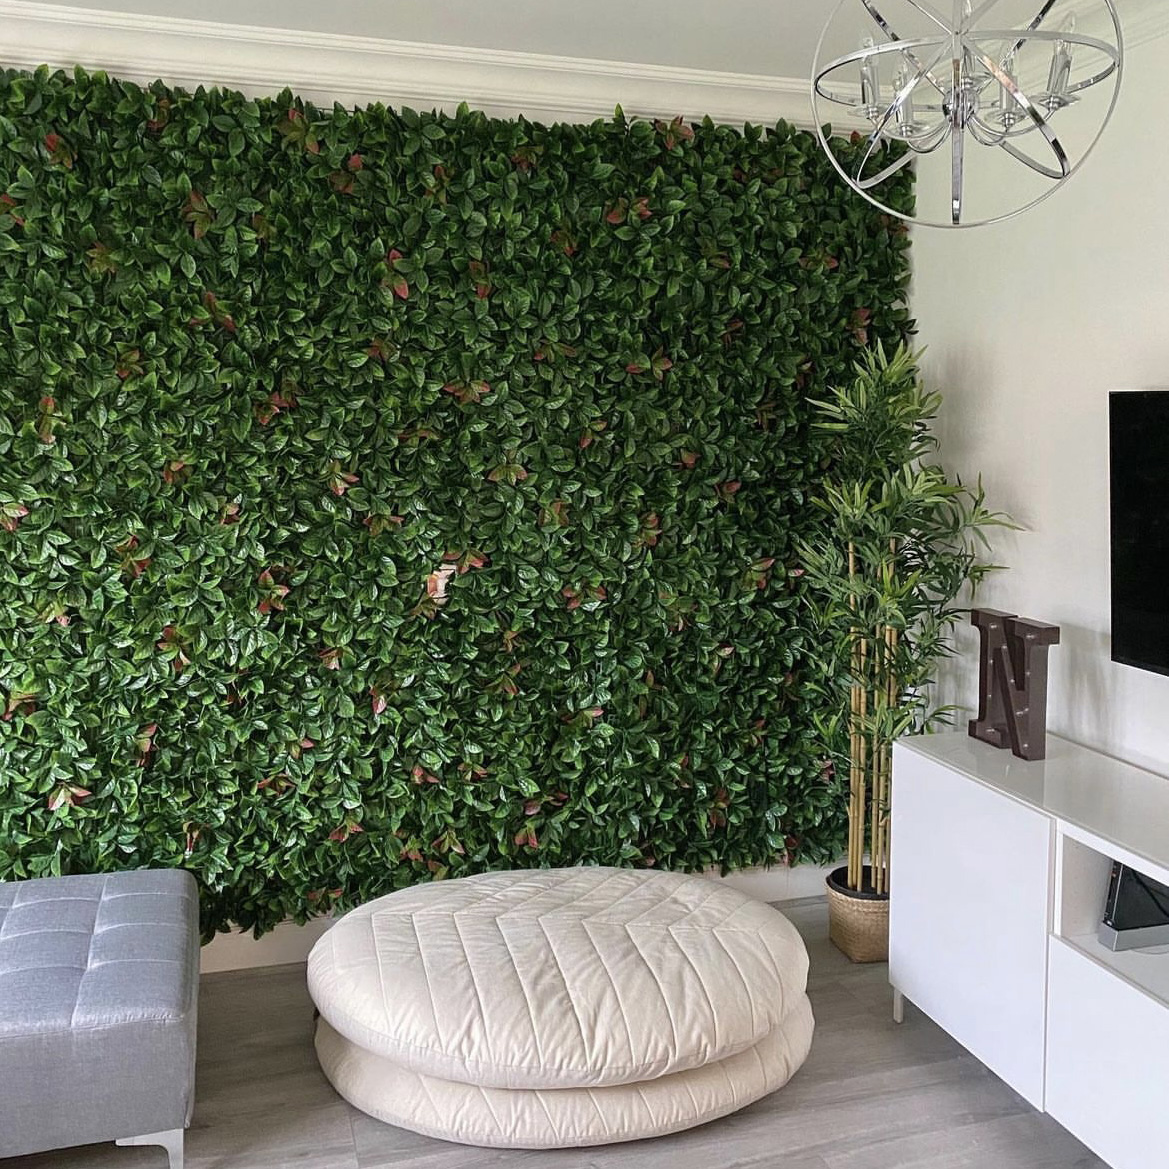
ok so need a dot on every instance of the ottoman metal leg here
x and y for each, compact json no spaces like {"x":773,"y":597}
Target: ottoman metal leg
{"x":172,"y":1141}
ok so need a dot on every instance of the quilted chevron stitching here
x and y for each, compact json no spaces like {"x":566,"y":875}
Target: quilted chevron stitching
{"x":709,"y":1001}
{"x":429,"y":988}
{"x":691,"y":912}
{"x":490,"y":1108}
{"x":590,"y":890}
{"x":527,"y":997}
{"x":624,"y":1014}
{"x":661,"y":991}
{"x":739,"y":971}
{"x":540,"y":892}
{"x":514,"y":915}
{"x":381,"y":974}
{"x":462,"y":1125}
{"x":597,"y":1109}
{"x":567,"y":989}
{"x":475,"y":987}
{"x":780,"y":981}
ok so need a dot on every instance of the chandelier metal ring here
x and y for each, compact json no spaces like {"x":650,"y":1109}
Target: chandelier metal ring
{"x":957,"y":82}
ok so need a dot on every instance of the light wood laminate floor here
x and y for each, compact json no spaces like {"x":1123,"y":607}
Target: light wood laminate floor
{"x":872,"y":1095}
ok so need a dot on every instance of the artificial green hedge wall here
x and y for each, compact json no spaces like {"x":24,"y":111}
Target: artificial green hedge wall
{"x":386,"y":495}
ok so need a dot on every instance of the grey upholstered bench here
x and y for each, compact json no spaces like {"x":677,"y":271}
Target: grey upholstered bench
{"x":99,"y":978}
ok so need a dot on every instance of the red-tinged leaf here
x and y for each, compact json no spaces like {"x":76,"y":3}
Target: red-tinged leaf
{"x":392,"y":255}
{"x":634,"y":368}
{"x":382,"y":349}
{"x":532,"y":807}
{"x":313,"y":146}
{"x":379,"y":523}
{"x":67,"y":794}
{"x":355,"y":162}
{"x":330,"y":658}
{"x":641,"y":206}
{"x":11,"y":514}
{"x":401,"y":287}
{"x":58,"y":150}
{"x":688,"y":459}
{"x":378,"y":701}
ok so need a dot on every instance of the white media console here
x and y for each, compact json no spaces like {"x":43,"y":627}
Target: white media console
{"x":999,"y":873}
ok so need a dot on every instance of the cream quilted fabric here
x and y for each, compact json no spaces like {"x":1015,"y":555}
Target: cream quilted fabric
{"x":569,"y":978}
{"x":565,"y":1117}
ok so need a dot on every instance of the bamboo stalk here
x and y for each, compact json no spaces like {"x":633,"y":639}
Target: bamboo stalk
{"x":855,"y":813}
{"x":862,"y":762}
{"x":893,"y":695}
{"x":854,"y":778}
{"x":878,"y":847}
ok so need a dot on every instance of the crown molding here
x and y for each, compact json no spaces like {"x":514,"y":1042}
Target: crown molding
{"x":328,"y":68}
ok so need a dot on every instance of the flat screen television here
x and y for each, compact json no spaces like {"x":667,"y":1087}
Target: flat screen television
{"x":1139,"y":471}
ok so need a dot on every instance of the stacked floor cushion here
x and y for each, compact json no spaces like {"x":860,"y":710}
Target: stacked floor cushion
{"x":560,"y":1007}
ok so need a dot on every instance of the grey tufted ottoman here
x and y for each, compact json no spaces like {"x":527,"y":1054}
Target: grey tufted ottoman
{"x":99,"y":978}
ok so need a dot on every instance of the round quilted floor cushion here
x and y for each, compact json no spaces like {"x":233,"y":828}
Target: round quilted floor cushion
{"x":559,"y":978}
{"x":554,"y":1118}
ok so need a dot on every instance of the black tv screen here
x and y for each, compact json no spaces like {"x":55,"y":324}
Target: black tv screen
{"x":1139,"y":425}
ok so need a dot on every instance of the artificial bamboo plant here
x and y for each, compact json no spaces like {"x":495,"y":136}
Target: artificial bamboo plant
{"x":900,"y":544}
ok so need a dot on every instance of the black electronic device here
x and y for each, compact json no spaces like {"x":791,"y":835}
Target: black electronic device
{"x":1139,"y":472}
{"x":1136,"y":913}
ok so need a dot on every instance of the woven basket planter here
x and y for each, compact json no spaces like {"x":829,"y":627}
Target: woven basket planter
{"x":858,"y":921}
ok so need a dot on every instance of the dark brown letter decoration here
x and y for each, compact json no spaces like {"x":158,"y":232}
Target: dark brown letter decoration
{"x":1012,"y":681}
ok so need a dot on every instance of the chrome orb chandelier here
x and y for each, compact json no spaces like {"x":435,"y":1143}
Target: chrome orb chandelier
{"x":995,"y":102}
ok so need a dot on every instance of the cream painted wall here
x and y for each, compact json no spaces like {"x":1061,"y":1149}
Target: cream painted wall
{"x":770,"y":37}
{"x":1029,"y":324}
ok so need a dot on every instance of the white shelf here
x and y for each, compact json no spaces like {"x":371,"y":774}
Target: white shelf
{"x":1148,"y":972}
{"x":1116,"y":803}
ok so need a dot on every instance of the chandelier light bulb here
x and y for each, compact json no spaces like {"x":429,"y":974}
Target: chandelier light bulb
{"x":995,"y":103}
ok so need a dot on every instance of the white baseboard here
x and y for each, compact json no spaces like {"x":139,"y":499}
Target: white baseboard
{"x":290,"y":943}
{"x":286,"y":944}
{"x":326,"y":68}
{"x":778,"y":883}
